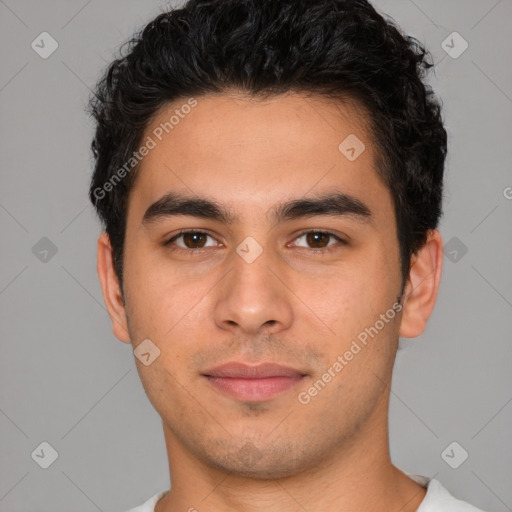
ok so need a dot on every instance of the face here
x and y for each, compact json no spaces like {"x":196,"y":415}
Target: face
{"x":303,"y":271}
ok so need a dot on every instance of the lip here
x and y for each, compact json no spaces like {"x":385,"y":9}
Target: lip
{"x":253,"y":383}
{"x":238,"y":370}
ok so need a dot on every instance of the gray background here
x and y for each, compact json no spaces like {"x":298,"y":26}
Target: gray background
{"x":65,"y":379}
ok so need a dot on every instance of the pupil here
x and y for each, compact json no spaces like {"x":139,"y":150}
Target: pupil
{"x":313,"y":238}
{"x":194,"y":237}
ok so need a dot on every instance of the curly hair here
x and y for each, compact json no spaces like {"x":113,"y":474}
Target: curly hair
{"x":333,"y":48}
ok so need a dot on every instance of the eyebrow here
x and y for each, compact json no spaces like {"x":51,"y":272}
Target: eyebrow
{"x":332,"y":204}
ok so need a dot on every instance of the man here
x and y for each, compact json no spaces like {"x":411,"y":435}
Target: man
{"x":269,"y":175}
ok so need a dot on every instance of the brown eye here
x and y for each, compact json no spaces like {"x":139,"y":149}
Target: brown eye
{"x":190,"y":240}
{"x":319,"y":239}
{"x":194,"y":240}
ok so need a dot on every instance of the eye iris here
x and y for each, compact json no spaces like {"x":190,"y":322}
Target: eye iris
{"x":313,"y":239}
{"x":196,"y":239}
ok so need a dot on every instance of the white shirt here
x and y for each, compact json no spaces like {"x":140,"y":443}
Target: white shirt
{"x":437,"y":499}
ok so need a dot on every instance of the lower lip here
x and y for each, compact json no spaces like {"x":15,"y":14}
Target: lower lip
{"x":253,"y":389}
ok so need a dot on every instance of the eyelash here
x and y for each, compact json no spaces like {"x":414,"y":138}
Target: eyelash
{"x":322,"y":250}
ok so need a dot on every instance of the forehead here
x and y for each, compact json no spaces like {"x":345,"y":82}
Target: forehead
{"x":252,"y":153}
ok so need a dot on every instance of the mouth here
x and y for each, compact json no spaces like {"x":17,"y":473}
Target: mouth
{"x":253,"y":383}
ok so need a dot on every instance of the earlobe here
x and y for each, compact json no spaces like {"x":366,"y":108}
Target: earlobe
{"x":111,"y":289}
{"x":422,"y":286}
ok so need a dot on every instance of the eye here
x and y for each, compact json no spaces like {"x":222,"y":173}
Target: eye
{"x":194,"y":241}
{"x":191,"y":240}
{"x":319,"y":239}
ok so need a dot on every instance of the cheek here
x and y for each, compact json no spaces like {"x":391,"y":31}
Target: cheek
{"x":379,"y":270}
{"x":167,"y":306}
{"x":349,"y":306}
{"x":355,"y":296}
{"x":152,"y":295}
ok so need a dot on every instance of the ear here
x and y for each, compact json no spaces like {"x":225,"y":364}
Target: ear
{"x":422,"y":286}
{"x":111,"y":289}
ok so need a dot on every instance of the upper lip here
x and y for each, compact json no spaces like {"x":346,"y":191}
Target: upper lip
{"x":260,"y":371}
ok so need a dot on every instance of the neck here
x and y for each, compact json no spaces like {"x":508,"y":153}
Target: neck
{"x":359,"y":475}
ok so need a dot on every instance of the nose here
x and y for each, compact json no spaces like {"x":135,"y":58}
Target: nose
{"x":253,"y":298}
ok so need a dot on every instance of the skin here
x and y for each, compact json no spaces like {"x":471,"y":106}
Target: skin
{"x":291,"y":305}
